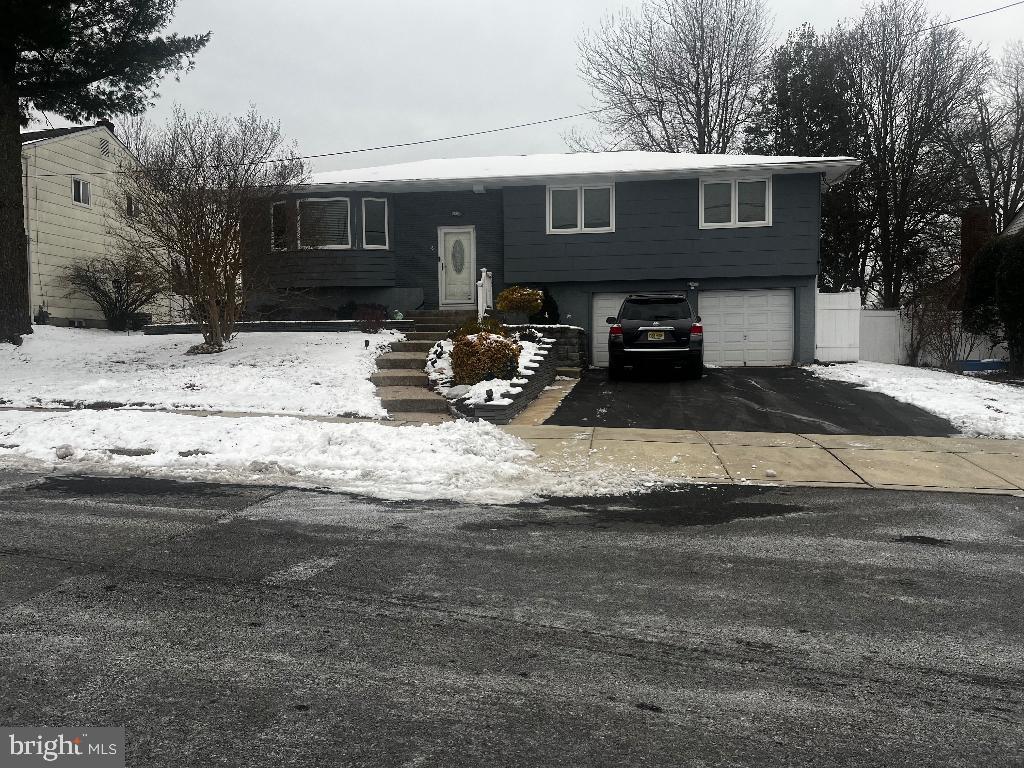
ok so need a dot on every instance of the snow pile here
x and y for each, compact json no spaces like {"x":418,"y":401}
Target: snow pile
{"x":308,"y":373}
{"x":464,"y":461}
{"x":976,"y":407}
{"x":439,"y":370}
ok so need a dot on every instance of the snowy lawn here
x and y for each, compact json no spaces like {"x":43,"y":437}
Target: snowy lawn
{"x":463,"y":461}
{"x":976,"y":407}
{"x":306,"y":373}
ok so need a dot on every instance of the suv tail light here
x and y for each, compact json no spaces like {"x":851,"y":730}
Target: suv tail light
{"x":615,"y":330}
{"x":697,"y":332}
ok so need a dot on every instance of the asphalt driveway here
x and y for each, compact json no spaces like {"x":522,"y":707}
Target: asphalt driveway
{"x":740,"y":626}
{"x":742,"y":400}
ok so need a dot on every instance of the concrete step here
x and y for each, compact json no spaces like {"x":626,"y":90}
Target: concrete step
{"x":400,"y":400}
{"x":416,"y":345}
{"x":569,"y":373}
{"x":431,"y":336}
{"x":415,"y":361}
{"x":423,"y":418}
{"x":396,"y":377}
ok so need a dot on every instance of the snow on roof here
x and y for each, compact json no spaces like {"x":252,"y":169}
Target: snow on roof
{"x":525,"y":169}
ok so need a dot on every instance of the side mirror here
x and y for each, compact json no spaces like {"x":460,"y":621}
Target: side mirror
{"x":611,"y":320}
{"x":698,"y":318}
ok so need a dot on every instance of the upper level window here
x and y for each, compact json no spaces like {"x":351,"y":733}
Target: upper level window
{"x":324,"y":223}
{"x":375,"y":222}
{"x":278,"y":226}
{"x":81,"y":191}
{"x":581,"y":209}
{"x":735,"y":203}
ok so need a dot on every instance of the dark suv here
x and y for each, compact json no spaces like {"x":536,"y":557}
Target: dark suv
{"x":656,"y":327}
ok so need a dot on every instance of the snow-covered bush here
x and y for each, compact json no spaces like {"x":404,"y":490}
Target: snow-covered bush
{"x":531,"y":335}
{"x":484,"y":356}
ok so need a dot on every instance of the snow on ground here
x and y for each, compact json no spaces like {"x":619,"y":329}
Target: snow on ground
{"x":976,"y":407}
{"x":439,"y":370}
{"x":462,"y":461}
{"x":307,"y":373}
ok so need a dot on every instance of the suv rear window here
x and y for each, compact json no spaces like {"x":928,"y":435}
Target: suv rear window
{"x":654,"y":309}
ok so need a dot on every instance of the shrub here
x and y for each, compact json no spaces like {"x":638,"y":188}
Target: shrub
{"x":528,"y":334}
{"x":517,"y":298}
{"x":486,"y":325}
{"x":371,"y":317}
{"x":120,"y":285}
{"x":484,"y":356}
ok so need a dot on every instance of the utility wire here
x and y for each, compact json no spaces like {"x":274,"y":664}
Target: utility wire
{"x":399,"y":145}
{"x":973,"y":16}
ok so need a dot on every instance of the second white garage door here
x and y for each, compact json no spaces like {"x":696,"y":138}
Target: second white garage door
{"x":747,"y":327}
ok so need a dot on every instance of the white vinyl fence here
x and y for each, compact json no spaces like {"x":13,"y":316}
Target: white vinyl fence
{"x":837,"y":325}
{"x":884,"y":336}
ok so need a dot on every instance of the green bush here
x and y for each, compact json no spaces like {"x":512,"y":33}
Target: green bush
{"x":518,"y":298}
{"x":482,"y":357}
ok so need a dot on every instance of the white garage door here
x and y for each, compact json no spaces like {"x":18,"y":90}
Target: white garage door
{"x":747,"y":327}
{"x":604,"y":305}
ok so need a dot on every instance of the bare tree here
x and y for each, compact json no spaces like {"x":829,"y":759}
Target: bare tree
{"x":989,"y":146}
{"x":121,"y":284}
{"x":909,"y":81}
{"x":201,"y":181}
{"x":677,"y":76}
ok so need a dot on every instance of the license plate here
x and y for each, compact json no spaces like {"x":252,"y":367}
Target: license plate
{"x":655,"y":335}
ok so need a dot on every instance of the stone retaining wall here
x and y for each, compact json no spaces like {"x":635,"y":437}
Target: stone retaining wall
{"x":570,"y":347}
{"x":542,"y":376}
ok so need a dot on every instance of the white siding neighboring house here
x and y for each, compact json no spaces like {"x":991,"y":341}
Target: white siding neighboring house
{"x":68,"y":178}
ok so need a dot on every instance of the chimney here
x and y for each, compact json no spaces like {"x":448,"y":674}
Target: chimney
{"x":106,"y":123}
{"x":976,"y":229}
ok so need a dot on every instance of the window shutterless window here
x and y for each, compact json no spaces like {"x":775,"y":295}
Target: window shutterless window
{"x":279,"y":226}
{"x":81,"y":191}
{"x":375,"y":222}
{"x":735,"y":203}
{"x":324,"y":223}
{"x":581,"y":209}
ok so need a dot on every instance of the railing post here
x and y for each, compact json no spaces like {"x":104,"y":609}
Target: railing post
{"x":484,"y":294}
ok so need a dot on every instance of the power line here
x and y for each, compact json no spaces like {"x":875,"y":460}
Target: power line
{"x":973,"y":16}
{"x":381,"y":147}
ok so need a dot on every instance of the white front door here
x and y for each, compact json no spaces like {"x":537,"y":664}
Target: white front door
{"x":457,"y":266}
{"x":747,"y":328}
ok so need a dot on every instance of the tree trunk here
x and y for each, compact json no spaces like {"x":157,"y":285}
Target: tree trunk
{"x":14,"y":298}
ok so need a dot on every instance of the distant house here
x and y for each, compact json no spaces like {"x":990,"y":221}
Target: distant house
{"x":1016,"y":225}
{"x":67,"y":175}
{"x":738,"y":234}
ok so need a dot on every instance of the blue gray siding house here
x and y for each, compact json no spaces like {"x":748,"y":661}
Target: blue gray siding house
{"x":739,"y":234}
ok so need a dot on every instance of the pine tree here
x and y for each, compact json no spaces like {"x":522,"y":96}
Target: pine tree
{"x":79,"y":59}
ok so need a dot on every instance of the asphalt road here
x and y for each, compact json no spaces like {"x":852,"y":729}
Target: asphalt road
{"x":707,"y":626}
{"x":743,"y":400}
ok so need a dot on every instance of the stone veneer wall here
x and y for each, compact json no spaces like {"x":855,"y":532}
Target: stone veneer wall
{"x":570,"y":347}
{"x":503,"y":414}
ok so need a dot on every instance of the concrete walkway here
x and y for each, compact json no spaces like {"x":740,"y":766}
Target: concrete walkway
{"x":971,"y":465}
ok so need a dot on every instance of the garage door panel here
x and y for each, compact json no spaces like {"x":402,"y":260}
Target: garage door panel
{"x":604,"y":305}
{"x":753,"y":328}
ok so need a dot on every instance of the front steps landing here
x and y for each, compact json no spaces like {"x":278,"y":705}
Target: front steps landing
{"x":402,"y":383}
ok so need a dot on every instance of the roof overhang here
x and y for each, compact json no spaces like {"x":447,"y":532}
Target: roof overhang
{"x":833,"y":170}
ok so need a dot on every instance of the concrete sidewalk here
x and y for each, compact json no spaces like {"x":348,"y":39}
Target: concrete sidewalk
{"x":972,"y":465}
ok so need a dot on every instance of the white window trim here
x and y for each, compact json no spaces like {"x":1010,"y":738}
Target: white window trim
{"x":579,"y":228}
{"x":735,"y":208}
{"x":85,"y":182}
{"x":298,"y":224}
{"x":284,"y":204}
{"x":387,"y":225}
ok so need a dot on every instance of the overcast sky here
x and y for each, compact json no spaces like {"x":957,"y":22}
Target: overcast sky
{"x":342,"y":74}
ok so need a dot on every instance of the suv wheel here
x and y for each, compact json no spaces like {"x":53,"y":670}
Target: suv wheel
{"x":695,"y":370}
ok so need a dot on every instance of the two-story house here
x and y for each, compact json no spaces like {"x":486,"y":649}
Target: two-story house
{"x":67,"y":178}
{"x":739,"y":234}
